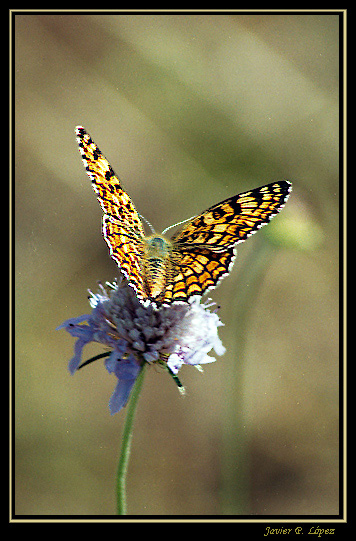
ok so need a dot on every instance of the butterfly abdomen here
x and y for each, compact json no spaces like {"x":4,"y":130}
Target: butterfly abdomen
{"x":155,"y":264}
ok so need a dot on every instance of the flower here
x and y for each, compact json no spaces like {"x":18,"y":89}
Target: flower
{"x":136,"y":334}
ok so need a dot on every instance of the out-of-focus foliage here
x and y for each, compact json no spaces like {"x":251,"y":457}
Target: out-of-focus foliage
{"x":189,"y":109}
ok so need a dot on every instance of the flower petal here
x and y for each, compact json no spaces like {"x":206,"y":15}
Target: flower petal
{"x":68,"y":323}
{"x":121,"y":395}
{"x":77,"y":358}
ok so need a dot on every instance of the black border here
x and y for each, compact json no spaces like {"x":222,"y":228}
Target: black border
{"x":338,"y":522}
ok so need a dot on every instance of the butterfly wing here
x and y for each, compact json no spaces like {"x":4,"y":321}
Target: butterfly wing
{"x":203,"y":250}
{"x":122,"y":227}
{"x":195,"y":271}
{"x":226,"y":224}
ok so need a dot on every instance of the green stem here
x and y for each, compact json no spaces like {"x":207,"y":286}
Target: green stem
{"x":126,"y":444}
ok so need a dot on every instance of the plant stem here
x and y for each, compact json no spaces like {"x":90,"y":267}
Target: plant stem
{"x":126,"y":444}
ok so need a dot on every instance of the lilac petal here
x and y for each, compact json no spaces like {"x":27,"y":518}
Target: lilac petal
{"x":77,"y":358}
{"x":121,"y":395}
{"x":84,"y":332}
{"x":115,"y":356}
{"x":73,"y":321}
{"x":126,"y":370}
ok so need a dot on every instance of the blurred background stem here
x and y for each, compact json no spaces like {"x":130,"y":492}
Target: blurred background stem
{"x":236,"y":459}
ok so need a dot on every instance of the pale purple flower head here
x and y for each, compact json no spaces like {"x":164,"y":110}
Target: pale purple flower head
{"x":172,"y":336}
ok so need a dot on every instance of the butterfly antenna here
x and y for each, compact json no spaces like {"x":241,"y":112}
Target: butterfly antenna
{"x":148,"y":223}
{"x":178,"y":223}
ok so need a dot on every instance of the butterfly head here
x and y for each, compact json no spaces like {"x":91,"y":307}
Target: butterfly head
{"x":157,"y":246}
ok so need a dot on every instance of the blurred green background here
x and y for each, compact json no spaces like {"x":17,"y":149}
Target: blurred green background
{"x":189,"y":110}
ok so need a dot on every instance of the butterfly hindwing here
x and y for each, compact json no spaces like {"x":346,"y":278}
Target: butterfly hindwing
{"x":127,"y":252}
{"x":195,"y":272}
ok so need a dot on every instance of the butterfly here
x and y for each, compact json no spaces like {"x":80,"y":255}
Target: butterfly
{"x":194,"y":260}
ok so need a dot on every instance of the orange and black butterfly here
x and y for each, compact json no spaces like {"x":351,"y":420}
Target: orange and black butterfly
{"x":163,"y":271}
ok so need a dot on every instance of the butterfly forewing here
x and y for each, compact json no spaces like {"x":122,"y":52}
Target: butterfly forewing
{"x":122,"y":227}
{"x":113,"y":199}
{"x":226,"y":224}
